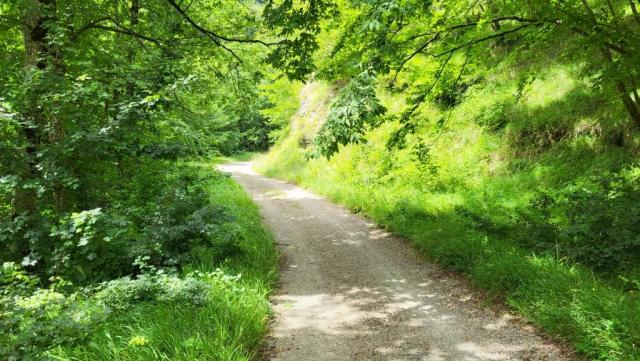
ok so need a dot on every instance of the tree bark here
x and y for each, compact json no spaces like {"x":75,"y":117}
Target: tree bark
{"x":134,"y":19}
{"x":634,"y":10}
{"x":633,"y":108}
{"x":34,"y":31}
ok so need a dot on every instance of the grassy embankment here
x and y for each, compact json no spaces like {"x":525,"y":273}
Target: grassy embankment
{"x":230,"y":321}
{"x":468,"y":200}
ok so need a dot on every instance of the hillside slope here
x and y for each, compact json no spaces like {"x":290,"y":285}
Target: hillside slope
{"x":529,"y":190}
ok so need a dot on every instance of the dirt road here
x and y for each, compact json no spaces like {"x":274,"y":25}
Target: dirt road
{"x":351,"y":291}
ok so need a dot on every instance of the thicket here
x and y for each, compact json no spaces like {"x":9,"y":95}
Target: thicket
{"x":178,"y":292}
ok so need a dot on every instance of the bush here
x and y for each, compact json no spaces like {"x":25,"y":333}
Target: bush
{"x":123,"y":293}
{"x":496,"y":116}
{"x":161,"y":220}
{"x":353,"y":110}
{"x":594,"y":221}
{"x":34,"y":320}
{"x":450,"y":94}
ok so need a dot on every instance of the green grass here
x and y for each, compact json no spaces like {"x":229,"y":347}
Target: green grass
{"x":462,"y":214}
{"x":232,"y":324}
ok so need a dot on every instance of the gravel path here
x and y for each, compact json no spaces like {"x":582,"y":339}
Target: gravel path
{"x":351,"y":291}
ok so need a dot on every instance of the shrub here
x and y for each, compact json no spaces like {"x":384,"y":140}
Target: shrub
{"x":450,"y":94}
{"x":123,"y":293}
{"x":161,"y":220}
{"x":594,"y":221}
{"x":34,"y":320}
{"x":496,"y":116}
{"x":353,"y":110}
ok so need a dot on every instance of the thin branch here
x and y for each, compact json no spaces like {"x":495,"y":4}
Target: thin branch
{"x":464,"y":66}
{"x":204,"y":31}
{"x":480,"y":40}
{"x":217,"y":38}
{"x":455,"y":84}
{"x":416,"y":52}
{"x":398,"y":137}
{"x":399,"y":28}
{"x":120,"y":29}
{"x":471,"y":7}
{"x":86,"y":27}
{"x":125,"y":31}
{"x":476,"y":23}
{"x":184,"y":107}
{"x":424,"y":95}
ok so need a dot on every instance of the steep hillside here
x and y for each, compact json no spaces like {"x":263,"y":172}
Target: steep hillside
{"x":529,"y":189}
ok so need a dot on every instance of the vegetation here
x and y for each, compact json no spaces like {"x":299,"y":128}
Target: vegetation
{"x":211,"y":304}
{"x":117,"y":241}
{"x":507,"y":151}
{"x":500,"y":136}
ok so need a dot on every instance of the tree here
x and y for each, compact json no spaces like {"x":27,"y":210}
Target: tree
{"x":97,"y":92}
{"x":453,"y":35}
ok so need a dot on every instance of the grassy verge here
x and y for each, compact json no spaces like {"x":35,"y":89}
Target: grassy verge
{"x":229,"y":321}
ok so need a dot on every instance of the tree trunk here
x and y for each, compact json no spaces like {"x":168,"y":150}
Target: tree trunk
{"x":34,"y":31}
{"x":633,"y":108}
{"x":134,"y":18}
{"x":634,"y":10}
{"x":634,"y":90}
{"x":629,"y":103}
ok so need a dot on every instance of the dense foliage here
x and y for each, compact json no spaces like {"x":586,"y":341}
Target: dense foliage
{"x":186,"y":276}
{"x":443,"y":52}
{"x":353,"y":111}
{"x":103,"y":104}
{"x":458,"y":38}
{"x":99,"y":100}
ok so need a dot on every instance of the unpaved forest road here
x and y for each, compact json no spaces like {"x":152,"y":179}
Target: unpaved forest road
{"x":351,"y":291}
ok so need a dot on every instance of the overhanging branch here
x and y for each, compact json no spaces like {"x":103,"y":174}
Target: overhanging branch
{"x":483,"y":39}
{"x":217,"y":38}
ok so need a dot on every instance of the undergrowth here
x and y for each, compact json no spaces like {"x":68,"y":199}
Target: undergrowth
{"x":211,"y":305}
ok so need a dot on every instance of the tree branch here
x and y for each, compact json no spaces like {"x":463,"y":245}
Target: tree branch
{"x":125,"y":31}
{"x":86,"y":27}
{"x":483,"y":39}
{"x":416,"y":52}
{"x":217,"y":38}
{"x":476,"y":23}
{"x":96,"y":24}
{"x":424,"y":95}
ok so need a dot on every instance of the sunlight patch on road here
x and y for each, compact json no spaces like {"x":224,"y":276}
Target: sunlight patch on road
{"x":331,"y":315}
{"x":496,"y":351}
{"x":238,"y":167}
{"x":294,"y":194}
